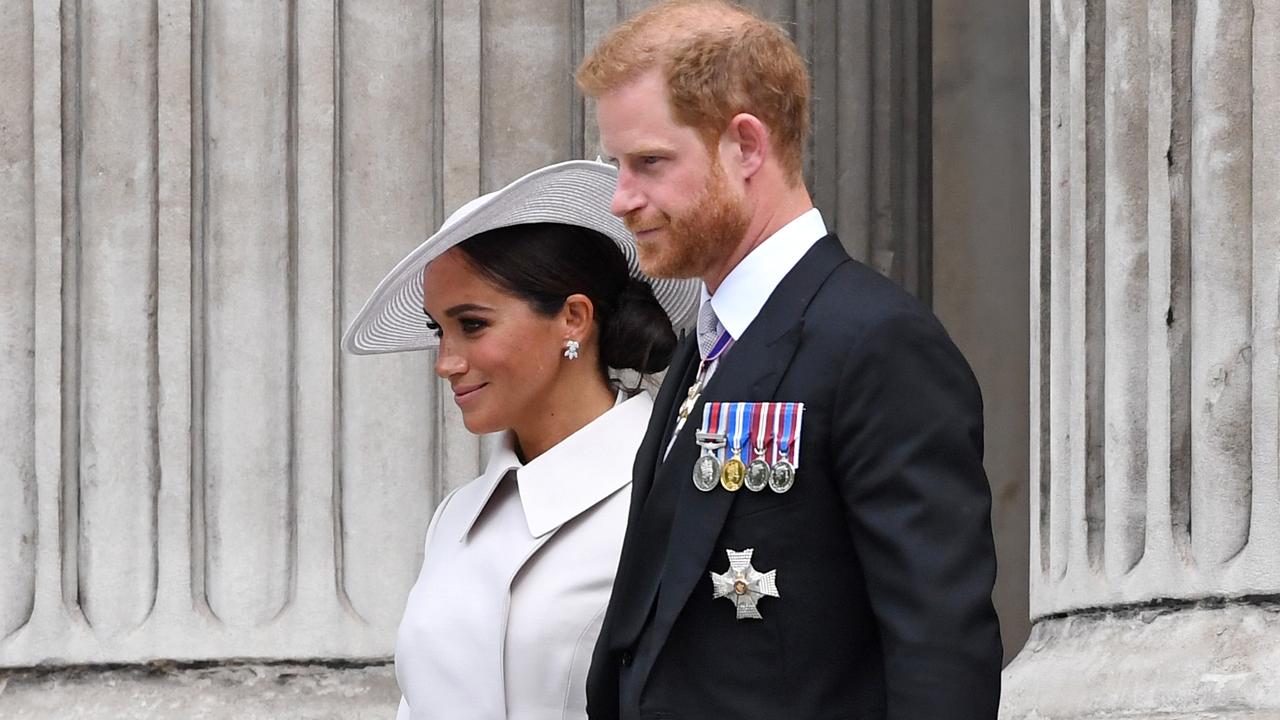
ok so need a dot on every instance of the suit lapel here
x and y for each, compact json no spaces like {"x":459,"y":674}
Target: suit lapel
{"x":750,"y":372}
{"x":662,"y":421}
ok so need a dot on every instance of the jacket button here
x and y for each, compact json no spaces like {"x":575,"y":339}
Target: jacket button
{"x":626,"y":658}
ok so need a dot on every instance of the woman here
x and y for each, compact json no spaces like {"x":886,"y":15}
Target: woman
{"x":531,"y":298}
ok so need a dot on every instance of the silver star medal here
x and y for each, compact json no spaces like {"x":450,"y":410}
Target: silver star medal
{"x":743,"y":584}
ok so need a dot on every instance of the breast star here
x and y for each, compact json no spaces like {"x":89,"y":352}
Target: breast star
{"x":743,"y":585}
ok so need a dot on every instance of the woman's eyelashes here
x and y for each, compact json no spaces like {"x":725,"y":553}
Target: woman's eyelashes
{"x":467,"y":325}
{"x":470,"y":325}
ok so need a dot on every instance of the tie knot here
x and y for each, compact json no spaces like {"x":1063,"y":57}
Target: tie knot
{"x":709,"y":329}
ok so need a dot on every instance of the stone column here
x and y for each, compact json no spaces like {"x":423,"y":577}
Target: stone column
{"x":1155,"y":374}
{"x":201,"y":500}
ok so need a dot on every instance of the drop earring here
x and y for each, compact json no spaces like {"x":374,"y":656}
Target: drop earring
{"x":571,"y":349}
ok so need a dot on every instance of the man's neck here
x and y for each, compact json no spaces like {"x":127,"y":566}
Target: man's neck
{"x":764,"y":223}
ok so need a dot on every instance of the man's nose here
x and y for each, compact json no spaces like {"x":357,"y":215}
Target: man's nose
{"x":625,"y":198}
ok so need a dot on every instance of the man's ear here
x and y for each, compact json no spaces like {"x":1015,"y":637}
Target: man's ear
{"x":750,"y":138}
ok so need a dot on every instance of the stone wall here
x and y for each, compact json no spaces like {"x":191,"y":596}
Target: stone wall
{"x":1155,"y":373}
{"x":980,"y":253}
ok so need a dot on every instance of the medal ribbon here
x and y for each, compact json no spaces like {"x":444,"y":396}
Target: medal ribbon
{"x":711,"y":417}
{"x":787,"y":439}
{"x":739,"y":430}
{"x":725,"y":412}
{"x":776,"y":430}
{"x":722,"y":343}
{"x":795,"y":439}
{"x":759,"y":425}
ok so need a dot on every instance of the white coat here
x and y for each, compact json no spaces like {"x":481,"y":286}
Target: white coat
{"x":515,"y":579}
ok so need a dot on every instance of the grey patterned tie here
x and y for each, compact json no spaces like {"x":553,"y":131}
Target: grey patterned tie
{"x":709,"y":329}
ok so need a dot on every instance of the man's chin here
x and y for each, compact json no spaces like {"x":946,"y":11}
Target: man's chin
{"x":656,"y":265}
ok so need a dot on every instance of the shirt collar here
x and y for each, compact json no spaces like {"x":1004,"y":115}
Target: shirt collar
{"x":576,"y":473}
{"x":750,"y":283}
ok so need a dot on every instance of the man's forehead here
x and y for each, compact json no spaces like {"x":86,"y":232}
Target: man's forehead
{"x":636,"y":118}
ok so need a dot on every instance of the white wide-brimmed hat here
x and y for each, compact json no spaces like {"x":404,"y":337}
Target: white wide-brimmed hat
{"x":577,"y":192}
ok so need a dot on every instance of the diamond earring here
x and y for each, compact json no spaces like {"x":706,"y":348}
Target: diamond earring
{"x":571,"y":349}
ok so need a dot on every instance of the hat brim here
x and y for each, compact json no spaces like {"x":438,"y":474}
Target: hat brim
{"x":577,"y":192}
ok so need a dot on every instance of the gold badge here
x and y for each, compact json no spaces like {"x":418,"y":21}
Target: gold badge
{"x":732,"y":475}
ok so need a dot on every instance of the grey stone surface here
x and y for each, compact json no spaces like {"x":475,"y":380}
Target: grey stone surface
{"x":18,"y":318}
{"x":1157,"y":663}
{"x":980,"y":254}
{"x":1155,"y":370}
{"x":110,"y":333}
{"x":195,"y":476}
{"x":1156,"y":307}
{"x":234,"y":692}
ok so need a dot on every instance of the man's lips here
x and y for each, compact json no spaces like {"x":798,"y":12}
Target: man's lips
{"x":638,"y":232}
{"x":640,"y":225}
{"x":463,"y":393}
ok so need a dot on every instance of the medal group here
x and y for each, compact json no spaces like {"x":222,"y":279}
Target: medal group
{"x":752,"y":445}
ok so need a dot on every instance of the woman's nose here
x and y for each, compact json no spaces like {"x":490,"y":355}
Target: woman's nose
{"x":449,"y":363}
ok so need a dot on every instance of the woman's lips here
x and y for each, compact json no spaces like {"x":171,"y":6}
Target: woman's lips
{"x":466,"y":393}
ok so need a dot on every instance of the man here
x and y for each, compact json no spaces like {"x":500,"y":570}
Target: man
{"x":809,"y":533}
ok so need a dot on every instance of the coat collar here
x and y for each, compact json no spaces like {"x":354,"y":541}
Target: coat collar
{"x":575,"y":474}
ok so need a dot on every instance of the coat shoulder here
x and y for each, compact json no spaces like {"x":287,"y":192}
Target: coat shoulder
{"x":855,"y":301}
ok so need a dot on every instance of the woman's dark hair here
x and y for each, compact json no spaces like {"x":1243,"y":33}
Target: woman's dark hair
{"x":544,"y":263}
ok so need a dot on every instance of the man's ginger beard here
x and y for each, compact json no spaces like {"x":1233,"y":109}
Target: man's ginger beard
{"x":698,"y":238}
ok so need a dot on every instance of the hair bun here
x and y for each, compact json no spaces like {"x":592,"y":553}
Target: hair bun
{"x":637,"y":334}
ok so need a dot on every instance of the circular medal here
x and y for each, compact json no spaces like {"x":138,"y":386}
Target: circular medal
{"x":782,"y":477}
{"x":732,"y":475}
{"x":757,"y":475}
{"x":706,"y":472}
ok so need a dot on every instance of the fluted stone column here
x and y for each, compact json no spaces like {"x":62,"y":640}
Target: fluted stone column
{"x":1155,"y":512}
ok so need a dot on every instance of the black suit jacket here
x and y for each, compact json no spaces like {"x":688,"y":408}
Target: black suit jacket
{"x":883,"y":548}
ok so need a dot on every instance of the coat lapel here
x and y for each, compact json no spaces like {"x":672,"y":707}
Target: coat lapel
{"x":636,"y":582}
{"x":750,"y":372}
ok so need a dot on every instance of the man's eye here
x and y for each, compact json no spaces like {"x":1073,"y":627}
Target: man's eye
{"x":650,"y":159}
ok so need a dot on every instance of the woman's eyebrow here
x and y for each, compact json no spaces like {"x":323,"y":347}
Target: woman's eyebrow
{"x":457,"y":310}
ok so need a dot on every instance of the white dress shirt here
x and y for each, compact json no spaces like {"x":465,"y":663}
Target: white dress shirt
{"x":515,"y":579}
{"x":749,"y":284}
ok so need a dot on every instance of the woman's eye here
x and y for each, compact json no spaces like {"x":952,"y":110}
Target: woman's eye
{"x":471,"y":325}
{"x":434,"y":328}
